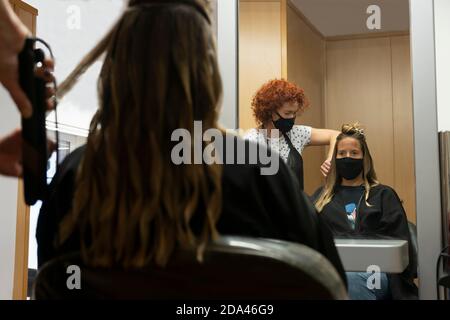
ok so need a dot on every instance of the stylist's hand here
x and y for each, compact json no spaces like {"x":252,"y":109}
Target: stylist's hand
{"x":11,"y":154}
{"x":325,"y":168}
{"x":12,"y":40}
{"x":11,"y":145}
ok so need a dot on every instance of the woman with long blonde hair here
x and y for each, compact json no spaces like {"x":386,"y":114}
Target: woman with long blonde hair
{"x":121,"y":200}
{"x":355,"y":205}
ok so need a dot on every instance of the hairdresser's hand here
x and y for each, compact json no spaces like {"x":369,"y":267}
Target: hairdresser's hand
{"x":325,"y":168}
{"x":11,"y":154}
{"x":12,"y":39}
{"x":46,"y":72}
{"x":11,"y":145}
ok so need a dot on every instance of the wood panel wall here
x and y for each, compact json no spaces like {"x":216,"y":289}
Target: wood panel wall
{"x":402,"y":102}
{"x":306,"y":68}
{"x":369,"y":80}
{"x":359,"y":88}
{"x":260,"y":52}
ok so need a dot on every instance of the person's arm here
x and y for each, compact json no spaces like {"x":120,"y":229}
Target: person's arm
{"x":11,"y":145}
{"x":11,"y":154}
{"x":394,"y":224}
{"x":55,"y":208}
{"x":324,"y":137}
{"x":12,"y":39}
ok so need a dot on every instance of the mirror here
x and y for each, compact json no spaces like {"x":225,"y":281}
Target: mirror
{"x":353,"y":60}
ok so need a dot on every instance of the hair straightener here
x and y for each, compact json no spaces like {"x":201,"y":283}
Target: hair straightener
{"x":34,"y":135}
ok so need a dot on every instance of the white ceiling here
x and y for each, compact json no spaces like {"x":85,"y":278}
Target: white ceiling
{"x":346,"y":17}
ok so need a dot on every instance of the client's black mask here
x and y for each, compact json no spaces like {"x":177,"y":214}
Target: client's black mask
{"x":349,"y":168}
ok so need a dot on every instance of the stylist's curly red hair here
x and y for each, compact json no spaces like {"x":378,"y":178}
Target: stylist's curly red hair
{"x":272,"y":95}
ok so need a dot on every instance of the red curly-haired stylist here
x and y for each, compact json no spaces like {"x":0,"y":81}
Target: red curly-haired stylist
{"x":276,"y":105}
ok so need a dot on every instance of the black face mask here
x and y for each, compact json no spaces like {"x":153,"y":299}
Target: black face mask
{"x":349,"y":168}
{"x":284,"y":125}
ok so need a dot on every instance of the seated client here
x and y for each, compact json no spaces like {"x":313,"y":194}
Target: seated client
{"x":355,"y":205}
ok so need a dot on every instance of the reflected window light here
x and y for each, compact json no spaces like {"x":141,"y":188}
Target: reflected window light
{"x":245,"y":245}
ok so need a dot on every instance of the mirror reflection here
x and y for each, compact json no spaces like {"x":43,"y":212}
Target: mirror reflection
{"x":335,"y":78}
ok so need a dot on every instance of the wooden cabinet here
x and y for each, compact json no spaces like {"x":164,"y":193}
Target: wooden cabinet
{"x":28,"y":15}
{"x":275,"y":43}
{"x":261,"y":57}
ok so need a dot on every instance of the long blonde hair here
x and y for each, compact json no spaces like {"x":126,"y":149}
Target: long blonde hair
{"x":333,"y":180}
{"x":132,"y":205}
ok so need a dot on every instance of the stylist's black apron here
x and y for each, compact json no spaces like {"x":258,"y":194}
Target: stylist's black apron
{"x":295,"y":161}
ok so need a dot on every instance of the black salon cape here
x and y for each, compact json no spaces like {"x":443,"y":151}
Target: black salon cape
{"x":385,"y":219}
{"x":254,"y":205}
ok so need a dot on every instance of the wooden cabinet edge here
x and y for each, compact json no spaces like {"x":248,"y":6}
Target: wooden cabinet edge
{"x":25,"y":6}
{"x":20,"y":284}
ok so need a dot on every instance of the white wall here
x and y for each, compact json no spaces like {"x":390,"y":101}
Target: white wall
{"x":428,"y":200}
{"x":72,"y":28}
{"x":57,"y":24}
{"x":227,"y":21}
{"x":442,"y":38}
{"x":9,"y":119}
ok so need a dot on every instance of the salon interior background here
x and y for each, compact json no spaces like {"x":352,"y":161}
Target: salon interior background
{"x":340,"y":69}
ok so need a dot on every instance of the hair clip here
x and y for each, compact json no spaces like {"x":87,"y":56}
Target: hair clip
{"x":360,"y":131}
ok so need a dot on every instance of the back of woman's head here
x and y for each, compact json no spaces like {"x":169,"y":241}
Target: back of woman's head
{"x":132,"y":205}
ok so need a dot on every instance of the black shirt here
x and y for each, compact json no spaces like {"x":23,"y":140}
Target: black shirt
{"x":254,"y":205}
{"x":350,"y":199}
{"x":381,"y":217}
